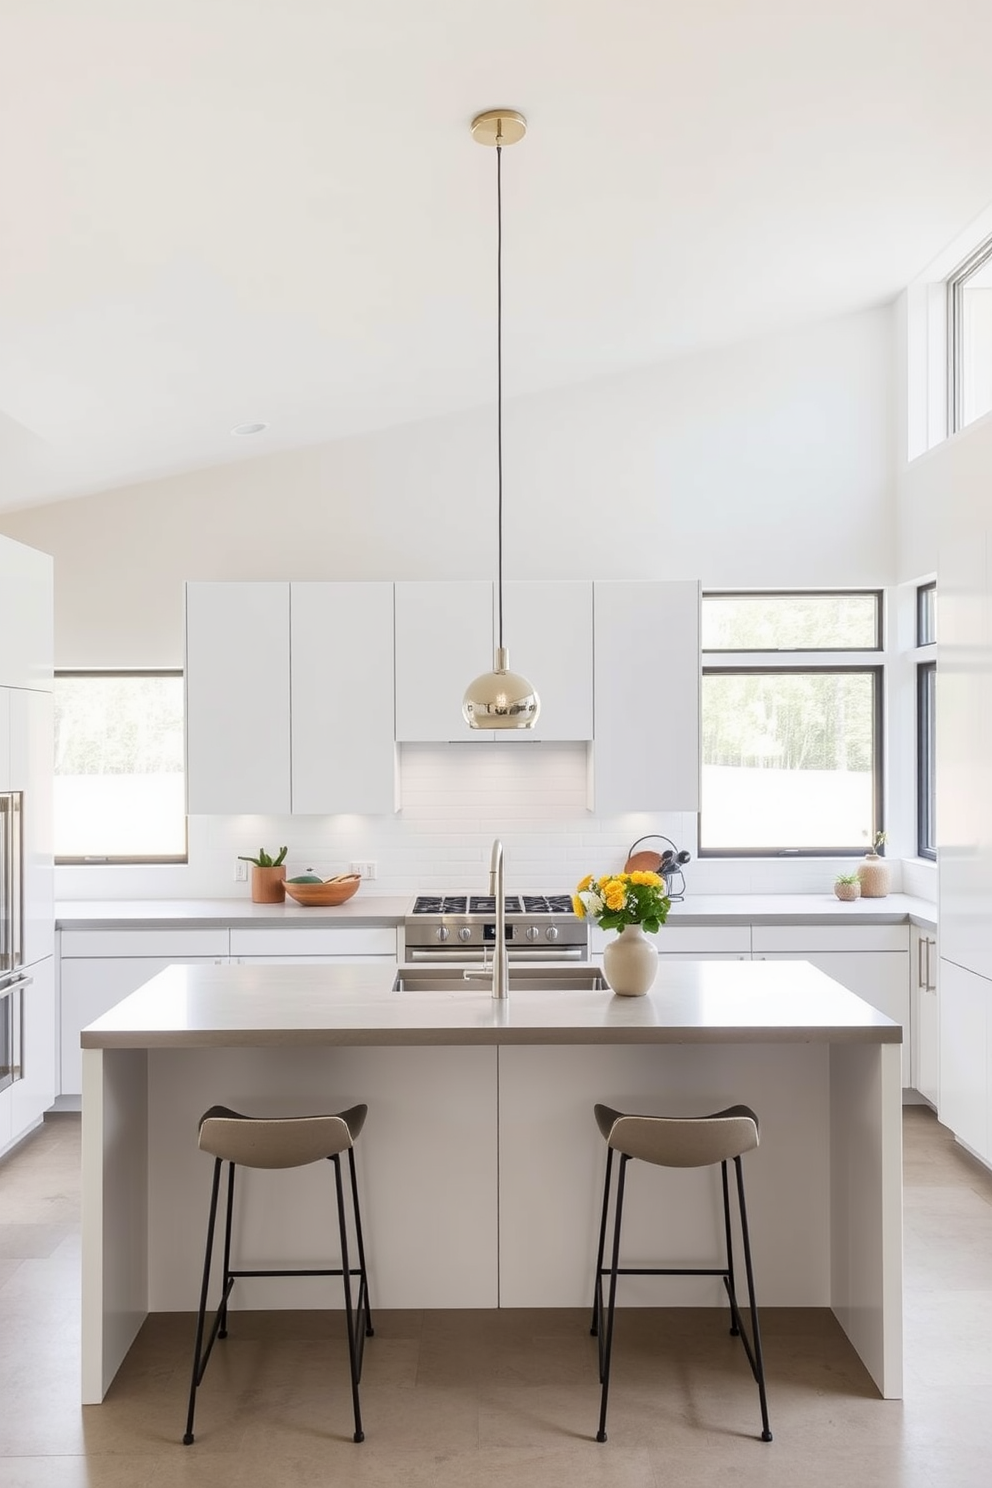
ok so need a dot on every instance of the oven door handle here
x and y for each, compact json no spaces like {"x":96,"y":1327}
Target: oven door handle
{"x":519,"y":956}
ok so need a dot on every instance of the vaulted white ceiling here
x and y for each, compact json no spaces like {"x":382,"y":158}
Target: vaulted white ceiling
{"x":220,"y":211}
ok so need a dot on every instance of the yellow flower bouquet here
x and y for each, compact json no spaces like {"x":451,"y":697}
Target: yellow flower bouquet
{"x":620,"y":899}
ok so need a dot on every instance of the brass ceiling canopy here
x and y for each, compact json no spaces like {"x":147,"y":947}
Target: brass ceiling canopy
{"x":500,"y":699}
{"x":499,"y":127}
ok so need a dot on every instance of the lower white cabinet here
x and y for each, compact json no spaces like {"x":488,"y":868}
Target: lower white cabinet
{"x":925,"y":1013}
{"x":336,"y":943}
{"x":98,"y":969}
{"x":870,"y":960}
{"x":23,"y":1104}
{"x":965,"y":1055}
{"x":687,"y":942}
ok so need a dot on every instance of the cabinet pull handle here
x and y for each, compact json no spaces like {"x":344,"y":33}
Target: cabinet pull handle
{"x":920,"y":974}
{"x":930,"y":985}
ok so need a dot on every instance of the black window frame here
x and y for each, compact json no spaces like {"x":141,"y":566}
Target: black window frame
{"x":99,"y":860}
{"x":768,"y":662}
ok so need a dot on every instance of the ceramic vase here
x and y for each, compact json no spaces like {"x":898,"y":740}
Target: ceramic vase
{"x":630,"y":963}
{"x":873,"y":872}
{"x":268,"y":885}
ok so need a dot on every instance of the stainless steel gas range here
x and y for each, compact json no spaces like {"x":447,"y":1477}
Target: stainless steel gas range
{"x":462,"y":927}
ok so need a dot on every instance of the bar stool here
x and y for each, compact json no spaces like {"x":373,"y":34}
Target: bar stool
{"x":677,"y":1142}
{"x":282,"y":1142}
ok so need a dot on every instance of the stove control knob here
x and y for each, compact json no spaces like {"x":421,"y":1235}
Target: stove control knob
{"x":552,"y":932}
{"x":533,"y":933}
{"x":465,"y":933}
{"x":442,"y":932}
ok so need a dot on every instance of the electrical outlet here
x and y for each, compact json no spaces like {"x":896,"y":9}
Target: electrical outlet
{"x":367,"y":870}
{"x":240,"y":871}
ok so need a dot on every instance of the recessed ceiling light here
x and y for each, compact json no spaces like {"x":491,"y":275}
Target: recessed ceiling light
{"x":248,"y":428}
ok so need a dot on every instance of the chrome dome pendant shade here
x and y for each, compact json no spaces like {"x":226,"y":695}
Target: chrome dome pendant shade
{"x":500,"y":699}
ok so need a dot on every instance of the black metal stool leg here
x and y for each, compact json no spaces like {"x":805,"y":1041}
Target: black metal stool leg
{"x":757,"y":1361}
{"x":349,"y":1310}
{"x":198,"y":1347}
{"x":731,"y":1285}
{"x":222,"y":1315}
{"x":611,"y":1308}
{"x":364,"y":1287}
{"x":597,"y":1291}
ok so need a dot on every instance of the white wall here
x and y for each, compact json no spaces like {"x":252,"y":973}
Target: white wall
{"x":767,"y":464}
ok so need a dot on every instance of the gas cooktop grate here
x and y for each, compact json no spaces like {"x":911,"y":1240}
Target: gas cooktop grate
{"x":485,"y":904}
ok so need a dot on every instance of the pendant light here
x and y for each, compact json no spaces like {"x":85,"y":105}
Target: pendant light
{"x":500,"y":699}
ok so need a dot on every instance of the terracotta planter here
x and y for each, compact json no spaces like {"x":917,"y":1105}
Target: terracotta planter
{"x":630,"y":963}
{"x":847,"y":891}
{"x":268,"y":885}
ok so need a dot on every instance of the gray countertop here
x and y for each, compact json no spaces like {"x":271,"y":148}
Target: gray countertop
{"x":690,"y":1002}
{"x":367,"y":909}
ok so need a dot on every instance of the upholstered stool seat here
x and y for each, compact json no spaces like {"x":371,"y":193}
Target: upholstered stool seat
{"x":283,"y":1142}
{"x":676,"y":1142}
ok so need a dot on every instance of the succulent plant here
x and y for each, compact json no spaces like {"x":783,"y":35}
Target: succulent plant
{"x":264,"y":859}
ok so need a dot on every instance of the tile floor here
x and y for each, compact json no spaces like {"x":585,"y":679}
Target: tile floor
{"x":458,"y":1400}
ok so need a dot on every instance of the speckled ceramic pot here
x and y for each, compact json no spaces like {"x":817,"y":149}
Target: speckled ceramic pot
{"x":874,"y":875}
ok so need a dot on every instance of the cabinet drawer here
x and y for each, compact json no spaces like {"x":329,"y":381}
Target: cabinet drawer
{"x":802,"y":938}
{"x":109,"y":943}
{"x":688,"y":940}
{"x":337,"y":941}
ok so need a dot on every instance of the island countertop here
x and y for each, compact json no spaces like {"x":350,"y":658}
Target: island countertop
{"x":690,"y":1002}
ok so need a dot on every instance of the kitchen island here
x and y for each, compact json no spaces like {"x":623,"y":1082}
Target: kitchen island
{"x":480,"y":1161}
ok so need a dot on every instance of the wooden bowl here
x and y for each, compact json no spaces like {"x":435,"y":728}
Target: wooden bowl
{"x":334,"y":891}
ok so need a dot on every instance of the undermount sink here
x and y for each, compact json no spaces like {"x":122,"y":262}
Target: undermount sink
{"x":578,"y":978}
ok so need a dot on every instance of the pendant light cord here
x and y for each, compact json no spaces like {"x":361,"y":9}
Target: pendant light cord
{"x":499,"y":384}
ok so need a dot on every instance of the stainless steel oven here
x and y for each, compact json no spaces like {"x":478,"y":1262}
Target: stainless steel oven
{"x":444,"y":928}
{"x":12,"y":979}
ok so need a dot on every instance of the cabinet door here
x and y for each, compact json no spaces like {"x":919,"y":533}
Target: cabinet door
{"x":27,"y":632}
{"x":646,"y":671}
{"x":341,"y":644}
{"x":880,"y":977}
{"x":31,"y":770}
{"x":548,"y":630}
{"x":444,"y":639}
{"x":5,"y":775}
{"x":237,"y":699}
{"x":90,"y":988}
{"x":926,"y":1015}
{"x":965,"y":1037}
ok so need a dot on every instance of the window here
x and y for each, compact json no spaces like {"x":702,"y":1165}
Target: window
{"x":791,"y":723}
{"x":969,"y":320}
{"x":119,"y":767}
{"x":926,"y":725}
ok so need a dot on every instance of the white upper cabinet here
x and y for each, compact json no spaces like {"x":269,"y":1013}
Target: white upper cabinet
{"x":237,"y":699}
{"x":647,"y":669}
{"x":343,"y":750}
{"x":547,"y":628}
{"x":444,"y":639}
{"x":446,"y":635}
{"x":27,"y":644}
{"x":289,"y":698}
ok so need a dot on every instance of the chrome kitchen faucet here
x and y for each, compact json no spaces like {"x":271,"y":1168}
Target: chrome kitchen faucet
{"x":501,"y":962}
